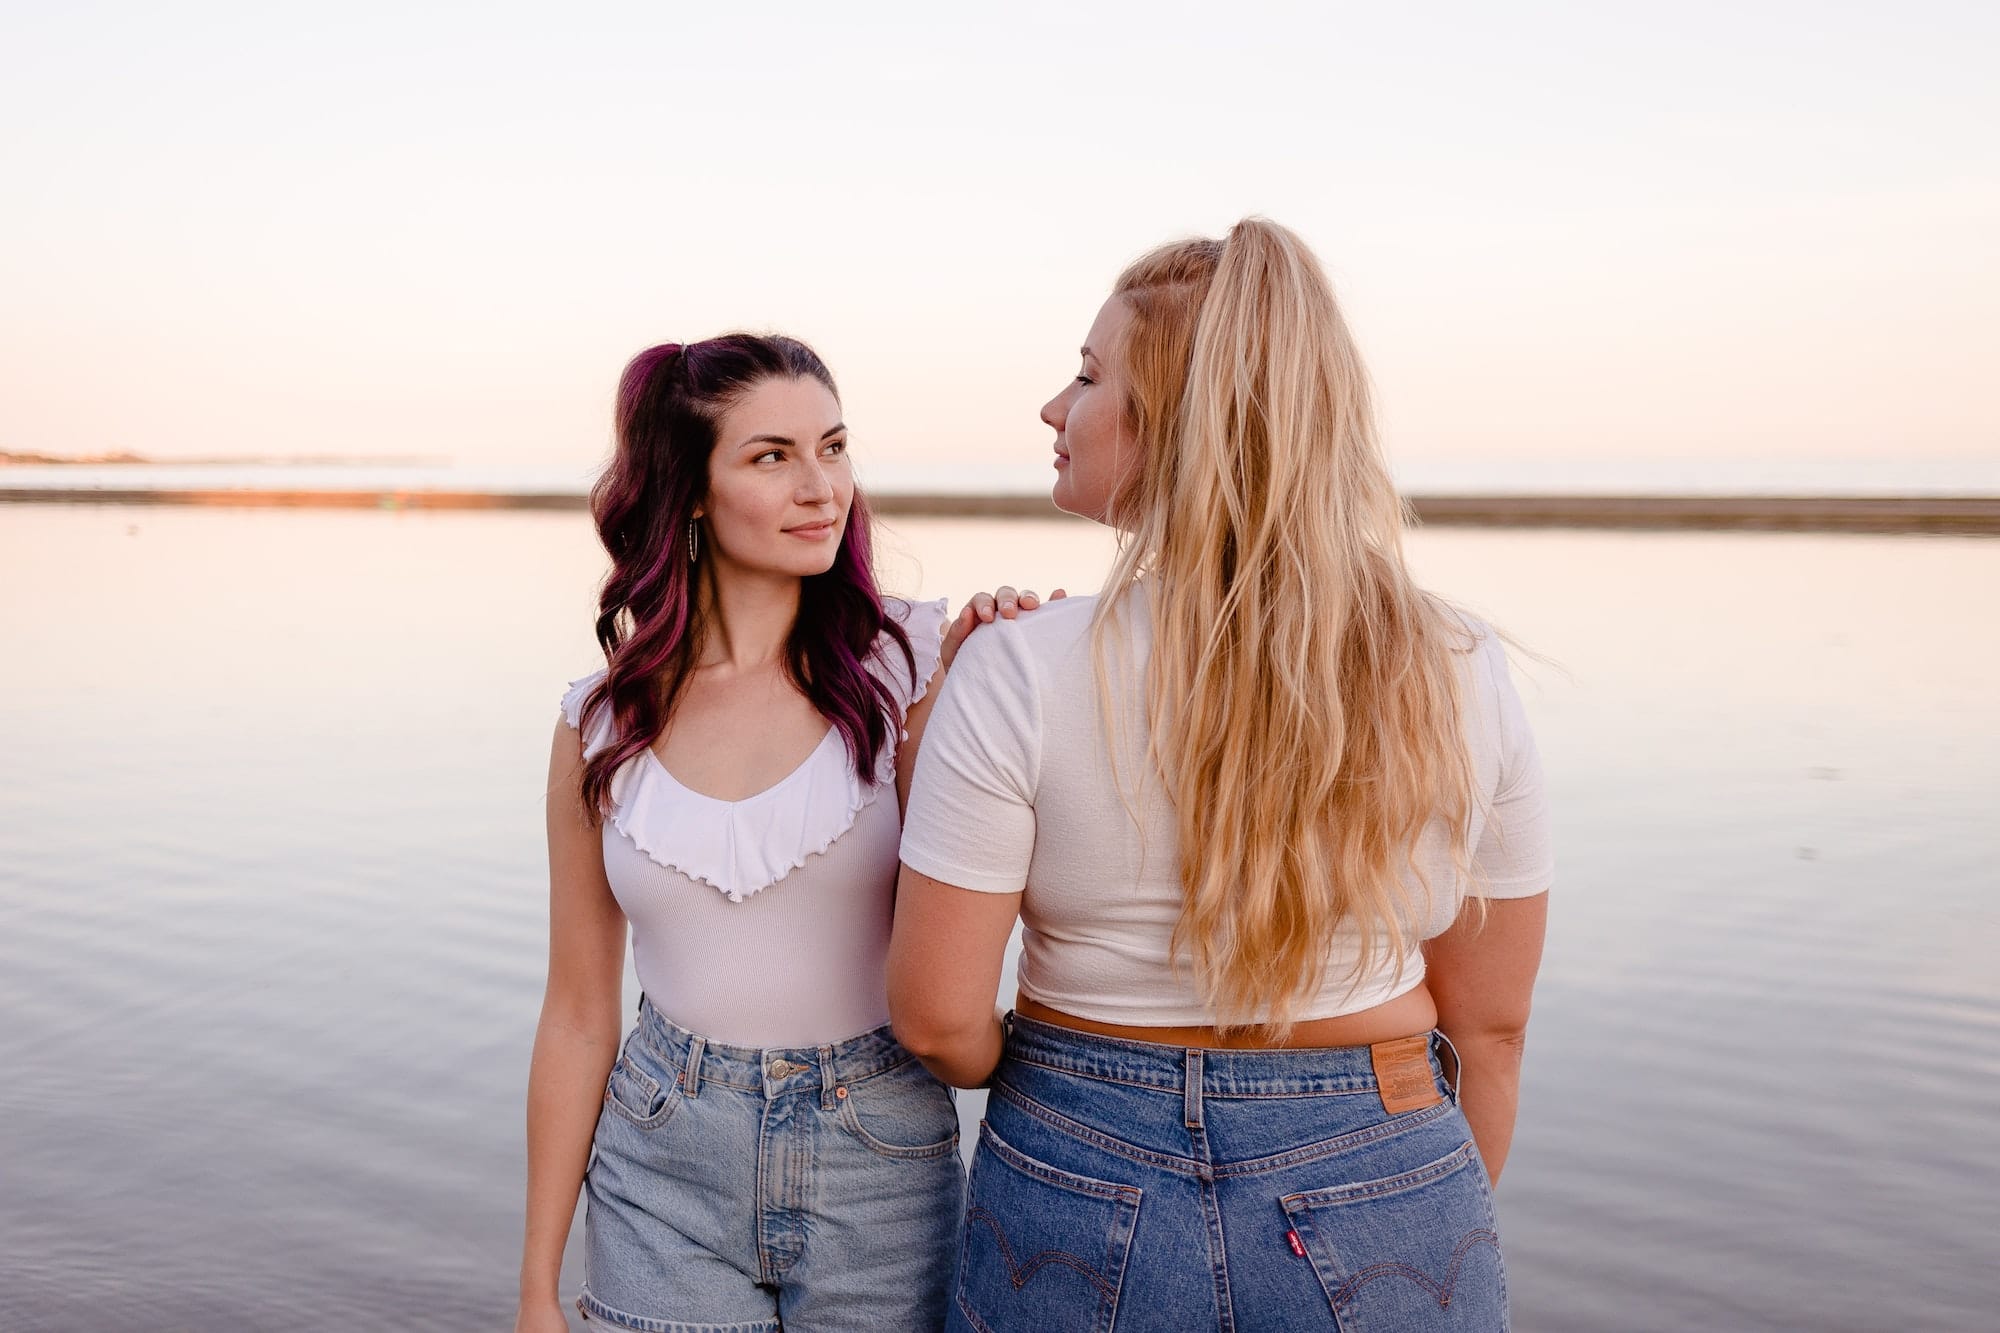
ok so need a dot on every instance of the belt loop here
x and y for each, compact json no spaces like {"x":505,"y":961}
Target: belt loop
{"x":1457,"y":1068}
{"x":826,"y":1083}
{"x":1191,"y":1092}
{"x":691,"y":1071}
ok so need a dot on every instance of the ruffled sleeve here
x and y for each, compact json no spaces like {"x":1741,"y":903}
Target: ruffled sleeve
{"x":925,"y":623}
{"x":599,"y":733}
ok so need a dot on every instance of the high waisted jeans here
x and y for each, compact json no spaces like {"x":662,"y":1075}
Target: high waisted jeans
{"x":1167,"y":1188}
{"x":732,"y":1187}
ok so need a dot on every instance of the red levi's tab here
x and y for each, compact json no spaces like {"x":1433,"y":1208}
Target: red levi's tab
{"x":1403,"y":1074}
{"x":1298,"y":1246}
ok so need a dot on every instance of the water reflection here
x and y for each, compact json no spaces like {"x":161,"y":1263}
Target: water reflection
{"x":271,"y":910}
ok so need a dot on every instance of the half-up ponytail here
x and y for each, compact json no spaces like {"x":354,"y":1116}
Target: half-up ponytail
{"x":649,"y":624}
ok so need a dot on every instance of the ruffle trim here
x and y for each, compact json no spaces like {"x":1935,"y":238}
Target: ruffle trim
{"x":740,"y":848}
{"x":925,"y":623}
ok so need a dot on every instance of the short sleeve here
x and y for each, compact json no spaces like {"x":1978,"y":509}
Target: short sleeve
{"x":971,"y":817}
{"x":1515,"y":857}
{"x":924,"y":623}
{"x":572,"y":712}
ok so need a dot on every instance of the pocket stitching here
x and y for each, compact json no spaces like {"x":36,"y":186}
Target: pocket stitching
{"x":1441,"y":1291}
{"x":1021,"y":1274}
{"x":850,"y":1120}
{"x":652,"y":1090}
{"x":1334,"y":1196}
{"x":1062,"y":1124}
{"x":1075,"y":1184}
{"x":1124,"y":1200}
{"x":1340,"y":1143}
{"x":1298,"y":1208}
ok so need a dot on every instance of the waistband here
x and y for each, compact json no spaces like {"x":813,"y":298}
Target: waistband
{"x":1274,"y":1072}
{"x":774,"y":1071}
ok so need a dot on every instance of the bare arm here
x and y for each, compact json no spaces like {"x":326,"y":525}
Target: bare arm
{"x":945,"y":956}
{"x":1483,"y":979}
{"x":577,"y":1038}
{"x":919,"y":714}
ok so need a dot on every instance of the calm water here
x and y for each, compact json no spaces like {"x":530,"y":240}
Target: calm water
{"x":271,"y":912}
{"x":1513,"y":476}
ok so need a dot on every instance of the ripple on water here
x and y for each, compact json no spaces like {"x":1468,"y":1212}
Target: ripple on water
{"x":270,"y":961}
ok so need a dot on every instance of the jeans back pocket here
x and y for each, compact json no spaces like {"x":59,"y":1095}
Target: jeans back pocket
{"x":1410,"y":1251}
{"x":1042,"y":1249}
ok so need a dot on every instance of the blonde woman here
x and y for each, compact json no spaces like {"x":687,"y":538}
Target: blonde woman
{"x":1273,"y":823}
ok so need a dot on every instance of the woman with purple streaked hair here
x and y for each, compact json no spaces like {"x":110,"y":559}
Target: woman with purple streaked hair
{"x":761,"y":1150}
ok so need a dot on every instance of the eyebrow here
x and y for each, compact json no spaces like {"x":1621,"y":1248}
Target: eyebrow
{"x":1085,"y":350}
{"x":791,"y":443}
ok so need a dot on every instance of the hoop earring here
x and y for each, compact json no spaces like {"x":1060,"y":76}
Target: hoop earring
{"x":691,"y":545}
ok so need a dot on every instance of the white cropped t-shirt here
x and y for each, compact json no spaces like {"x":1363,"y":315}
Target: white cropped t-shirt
{"x":1014,"y":792}
{"x":765,"y":921}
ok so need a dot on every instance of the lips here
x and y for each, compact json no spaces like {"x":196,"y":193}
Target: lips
{"x":810,"y":530}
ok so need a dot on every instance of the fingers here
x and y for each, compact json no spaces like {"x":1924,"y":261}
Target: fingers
{"x":1010,"y":603}
{"x":1003,"y":603}
{"x":1025,"y":600}
{"x":961,"y":625}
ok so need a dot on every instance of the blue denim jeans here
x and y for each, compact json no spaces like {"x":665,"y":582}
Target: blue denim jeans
{"x":1167,"y":1188}
{"x":732,"y":1188}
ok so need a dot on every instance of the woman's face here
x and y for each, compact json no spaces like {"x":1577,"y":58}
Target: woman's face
{"x":1095,"y":450}
{"x":779,"y":486}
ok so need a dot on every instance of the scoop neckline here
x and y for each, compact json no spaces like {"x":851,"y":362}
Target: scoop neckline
{"x":779,"y":785}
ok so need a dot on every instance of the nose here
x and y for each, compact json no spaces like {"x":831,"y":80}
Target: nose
{"x":1056,"y":411}
{"x":815,"y":488}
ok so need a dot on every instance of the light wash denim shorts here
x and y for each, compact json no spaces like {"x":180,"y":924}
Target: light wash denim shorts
{"x":731,"y":1188}
{"x":1166,"y":1188}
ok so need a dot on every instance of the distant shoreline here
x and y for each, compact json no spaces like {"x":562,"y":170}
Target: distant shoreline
{"x":1965,"y":515}
{"x":122,"y":458}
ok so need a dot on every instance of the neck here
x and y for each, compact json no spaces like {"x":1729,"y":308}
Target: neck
{"x":749,"y":617}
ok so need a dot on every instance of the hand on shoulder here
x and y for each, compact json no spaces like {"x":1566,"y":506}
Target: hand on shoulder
{"x":1003,"y":603}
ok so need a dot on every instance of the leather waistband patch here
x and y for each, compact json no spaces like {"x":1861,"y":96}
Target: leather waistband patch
{"x":1403,"y":1074}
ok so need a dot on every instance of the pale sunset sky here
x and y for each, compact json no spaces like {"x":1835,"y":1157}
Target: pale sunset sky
{"x":1562,"y":231}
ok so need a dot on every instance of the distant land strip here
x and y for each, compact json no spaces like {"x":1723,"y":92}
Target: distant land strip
{"x":1963,"y":514}
{"x":126,"y":458}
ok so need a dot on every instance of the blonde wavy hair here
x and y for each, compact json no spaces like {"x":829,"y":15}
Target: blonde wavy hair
{"x":1302,"y":691}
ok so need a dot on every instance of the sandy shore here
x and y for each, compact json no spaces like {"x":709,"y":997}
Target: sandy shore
{"x":1804,"y":513}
